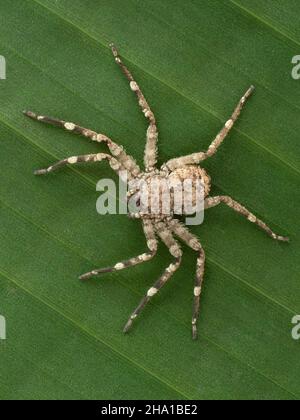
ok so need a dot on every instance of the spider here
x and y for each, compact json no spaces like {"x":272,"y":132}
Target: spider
{"x":158,"y":226}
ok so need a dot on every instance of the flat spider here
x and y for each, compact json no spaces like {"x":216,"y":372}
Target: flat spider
{"x":163,"y":226}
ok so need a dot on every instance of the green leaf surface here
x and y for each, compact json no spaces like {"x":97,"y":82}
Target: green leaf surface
{"x":193,"y":60}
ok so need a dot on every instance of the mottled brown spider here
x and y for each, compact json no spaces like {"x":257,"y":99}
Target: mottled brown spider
{"x":163,"y":226}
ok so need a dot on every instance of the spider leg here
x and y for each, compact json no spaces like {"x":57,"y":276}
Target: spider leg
{"x":215,"y":201}
{"x":117,"y":151}
{"x":196,"y":158}
{"x":192,"y":241}
{"x":115,"y":165}
{"x":152,"y":245}
{"x":163,"y":231}
{"x":152,"y":291}
{"x":68,"y":126}
{"x":150,"y":158}
{"x":182,"y":232}
{"x":197,"y":290}
{"x":165,"y":234}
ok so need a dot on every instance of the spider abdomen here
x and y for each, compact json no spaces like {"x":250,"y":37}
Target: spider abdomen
{"x":194,"y":174}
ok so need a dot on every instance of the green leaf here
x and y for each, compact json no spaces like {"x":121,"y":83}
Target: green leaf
{"x":193,"y":60}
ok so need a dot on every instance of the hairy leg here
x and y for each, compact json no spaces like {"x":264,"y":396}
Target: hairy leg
{"x":153,"y":291}
{"x":182,"y":232}
{"x":165,"y":234}
{"x":196,"y":158}
{"x":215,"y":201}
{"x":150,"y":158}
{"x":197,"y":290}
{"x":117,"y":151}
{"x":115,"y":165}
{"x":152,"y":245}
{"x":192,"y":241}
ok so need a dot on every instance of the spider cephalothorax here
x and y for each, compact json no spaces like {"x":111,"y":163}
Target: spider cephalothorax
{"x":163,"y":193}
{"x":159,"y":224}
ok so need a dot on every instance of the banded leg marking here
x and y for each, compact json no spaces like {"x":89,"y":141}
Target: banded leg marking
{"x":127,"y":162}
{"x":197,"y":291}
{"x":215,"y":201}
{"x":192,"y":241}
{"x":115,"y":165}
{"x":150,"y":158}
{"x":166,"y":236}
{"x":196,"y":158}
{"x":153,"y":291}
{"x":152,"y":245}
{"x":120,"y":266}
